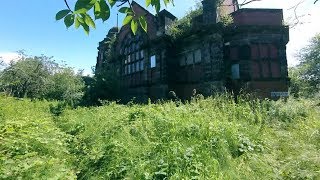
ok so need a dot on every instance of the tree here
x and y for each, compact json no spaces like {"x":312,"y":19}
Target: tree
{"x":26,"y":77}
{"x":305,"y":78}
{"x":105,"y":85}
{"x":66,"y":86}
{"x":41,"y":77}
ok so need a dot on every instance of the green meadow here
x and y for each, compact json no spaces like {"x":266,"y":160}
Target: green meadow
{"x":212,"y":138}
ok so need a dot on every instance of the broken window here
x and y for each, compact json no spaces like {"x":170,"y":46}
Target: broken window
{"x":197,"y":56}
{"x":233,"y":53}
{"x":133,"y":68}
{"x":141,"y":65}
{"x":245,"y":52}
{"x":190,"y":58}
{"x":133,"y":57}
{"x":235,"y":71}
{"x":129,"y":69}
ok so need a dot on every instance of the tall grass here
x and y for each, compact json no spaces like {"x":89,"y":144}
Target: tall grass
{"x":211,"y":138}
{"x":31,"y":146}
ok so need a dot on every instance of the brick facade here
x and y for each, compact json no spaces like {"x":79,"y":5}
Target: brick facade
{"x":250,"y":54}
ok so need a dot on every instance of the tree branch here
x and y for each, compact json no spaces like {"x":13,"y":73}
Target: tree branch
{"x":123,"y":2}
{"x":245,"y":3}
{"x":65,"y":1}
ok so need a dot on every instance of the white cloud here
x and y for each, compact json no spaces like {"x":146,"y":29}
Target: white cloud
{"x":7,"y":57}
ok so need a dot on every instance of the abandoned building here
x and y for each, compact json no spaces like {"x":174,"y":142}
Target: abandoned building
{"x":248,"y":54}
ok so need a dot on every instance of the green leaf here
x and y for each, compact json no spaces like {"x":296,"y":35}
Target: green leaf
{"x":61,"y":14}
{"x":112,"y":2}
{"x":126,"y":10}
{"x":77,"y":22}
{"x":89,"y":21}
{"x":86,"y":28}
{"x":127,"y":20}
{"x":166,"y":2}
{"x":105,"y":10}
{"x":83,"y":6}
{"x":156,"y":4}
{"x":134,"y":26}
{"x":97,"y":10}
{"x":143,"y":23}
{"x":80,"y":19}
{"x":148,"y":2}
{"x":69,"y":20}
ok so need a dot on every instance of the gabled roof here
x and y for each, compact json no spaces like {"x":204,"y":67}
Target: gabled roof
{"x":166,"y":13}
{"x":137,"y":4}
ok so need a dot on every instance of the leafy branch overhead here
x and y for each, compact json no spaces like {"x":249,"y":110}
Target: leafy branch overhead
{"x":86,"y":12}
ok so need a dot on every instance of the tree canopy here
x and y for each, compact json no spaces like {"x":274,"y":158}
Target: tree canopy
{"x":42,"y":78}
{"x":305,"y":78}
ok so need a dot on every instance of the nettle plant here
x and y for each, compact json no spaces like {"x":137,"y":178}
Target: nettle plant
{"x":86,"y":12}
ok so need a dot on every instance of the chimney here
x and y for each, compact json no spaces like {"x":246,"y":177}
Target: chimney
{"x":209,"y":11}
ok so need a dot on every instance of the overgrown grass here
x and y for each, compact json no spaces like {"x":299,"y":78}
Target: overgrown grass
{"x":211,"y":138}
{"x":31,"y":145}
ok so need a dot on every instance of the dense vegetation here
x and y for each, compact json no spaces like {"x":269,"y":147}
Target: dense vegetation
{"x":305,"y":77}
{"x":211,"y":138}
{"x":184,"y":26}
{"x":40,"y":77}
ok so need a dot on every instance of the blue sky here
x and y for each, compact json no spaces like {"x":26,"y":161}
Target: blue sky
{"x":30,"y":25}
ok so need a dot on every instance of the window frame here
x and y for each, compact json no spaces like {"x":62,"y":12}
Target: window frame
{"x":153,"y":61}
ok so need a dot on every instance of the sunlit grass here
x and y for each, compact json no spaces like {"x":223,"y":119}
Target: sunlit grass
{"x":211,"y":138}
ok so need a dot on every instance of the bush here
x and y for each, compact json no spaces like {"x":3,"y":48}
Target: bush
{"x":40,"y":77}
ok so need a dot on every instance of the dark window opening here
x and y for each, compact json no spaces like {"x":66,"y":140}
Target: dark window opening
{"x":245,"y":52}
